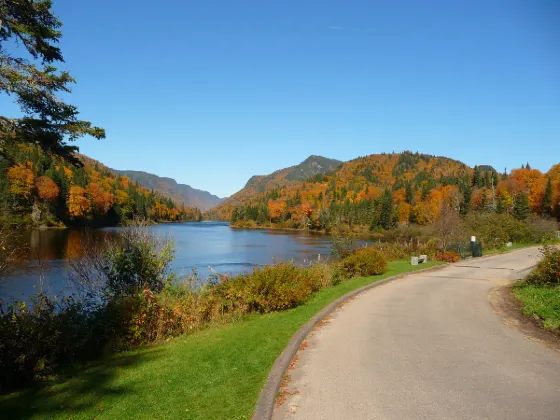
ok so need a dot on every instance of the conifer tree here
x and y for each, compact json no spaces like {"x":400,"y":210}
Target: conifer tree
{"x":36,"y":84}
{"x":521,"y":209}
{"x":467,"y":196}
{"x":546,"y":205}
{"x":387,"y":210}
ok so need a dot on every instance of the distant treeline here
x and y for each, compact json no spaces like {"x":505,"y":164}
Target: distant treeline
{"x":383,"y":191}
{"x":41,"y":189}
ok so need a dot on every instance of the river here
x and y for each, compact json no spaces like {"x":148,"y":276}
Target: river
{"x":198,"y":245}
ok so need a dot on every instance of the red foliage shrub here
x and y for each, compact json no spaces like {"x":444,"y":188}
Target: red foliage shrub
{"x":448,"y":256}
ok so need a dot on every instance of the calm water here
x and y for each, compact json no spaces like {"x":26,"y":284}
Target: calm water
{"x":198,"y":245}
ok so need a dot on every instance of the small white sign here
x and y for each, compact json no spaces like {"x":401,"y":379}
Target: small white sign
{"x":473,"y":238}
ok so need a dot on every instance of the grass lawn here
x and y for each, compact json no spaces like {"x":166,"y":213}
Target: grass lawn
{"x":541,"y":301}
{"x":213,"y":374}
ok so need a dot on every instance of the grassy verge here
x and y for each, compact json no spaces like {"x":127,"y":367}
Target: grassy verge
{"x":541,"y":301}
{"x":213,"y":374}
{"x":505,"y":249}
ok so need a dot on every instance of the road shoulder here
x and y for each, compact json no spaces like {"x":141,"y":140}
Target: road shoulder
{"x":510,"y":309}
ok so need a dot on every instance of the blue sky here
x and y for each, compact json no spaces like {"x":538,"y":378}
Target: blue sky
{"x":213,"y":92}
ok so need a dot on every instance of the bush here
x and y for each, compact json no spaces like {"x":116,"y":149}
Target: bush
{"x":364,"y":262}
{"x":270,"y":288}
{"x":547,"y":271}
{"x":35,"y":341}
{"x":137,"y":260}
{"x":448,"y":256}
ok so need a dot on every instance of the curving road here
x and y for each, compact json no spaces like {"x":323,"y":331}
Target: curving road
{"x":428,"y":346}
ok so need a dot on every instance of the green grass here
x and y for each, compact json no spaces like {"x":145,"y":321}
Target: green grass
{"x":504,"y":249}
{"x":213,"y":374}
{"x":541,"y":301}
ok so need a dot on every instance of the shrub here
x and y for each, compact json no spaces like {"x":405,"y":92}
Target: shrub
{"x":137,"y":260}
{"x":270,"y":288}
{"x":547,"y":271}
{"x":364,"y":262}
{"x":448,"y":256}
{"x":36,"y":340}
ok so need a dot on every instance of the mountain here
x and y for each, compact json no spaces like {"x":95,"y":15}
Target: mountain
{"x":312,"y":166}
{"x":381,"y":190}
{"x":180,"y":193}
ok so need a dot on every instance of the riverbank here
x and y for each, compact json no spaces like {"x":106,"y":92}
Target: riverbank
{"x":212,"y":374}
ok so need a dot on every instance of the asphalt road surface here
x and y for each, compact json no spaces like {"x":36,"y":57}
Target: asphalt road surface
{"x":428,"y":346}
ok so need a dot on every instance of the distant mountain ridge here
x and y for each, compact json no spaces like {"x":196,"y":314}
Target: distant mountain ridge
{"x":312,"y":166}
{"x":180,"y":193}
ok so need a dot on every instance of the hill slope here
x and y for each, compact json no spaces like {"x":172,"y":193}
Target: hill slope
{"x":38,"y":188}
{"x":383,"y":190}
{"x":313,"y":165}
{"x":180,"y":193}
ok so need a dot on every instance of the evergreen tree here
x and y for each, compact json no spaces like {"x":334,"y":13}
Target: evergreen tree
{"x":467,"y":196}
{"x":527,"y":166}
{"x":37,"y":85}
{"x":387,"y":210}
{"x":477,"y":175}
{"x":495,"y":179}
{"x":500,"y":206}
{"x":521,"y":209}
{"x":484,"y":201}
{"x":409,"y":193}
{"x":546,"y":205}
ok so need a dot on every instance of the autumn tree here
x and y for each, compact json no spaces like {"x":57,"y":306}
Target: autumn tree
{"x":46,"y":188}
{"x":100,"y":199}
{"x":22,"y":180}
{"x":36,"y":84}
{"x":78,"y":203}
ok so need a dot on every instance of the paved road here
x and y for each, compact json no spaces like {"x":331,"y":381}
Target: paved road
{"x":428,"y":346}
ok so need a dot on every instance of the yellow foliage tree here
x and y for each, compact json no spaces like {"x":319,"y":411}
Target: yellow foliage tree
{"x":22,"y":179}
{"x":78,"y":203}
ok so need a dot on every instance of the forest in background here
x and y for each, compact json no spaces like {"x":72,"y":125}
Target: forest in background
{"x":382,"y":191}
{"x":38,"y":188}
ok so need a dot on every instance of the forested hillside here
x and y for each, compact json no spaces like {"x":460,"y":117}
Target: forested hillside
{"x":313,"y":165}
{"x":384,"y":190}
{"x":180,"y":193}
{"x":42,"y":189}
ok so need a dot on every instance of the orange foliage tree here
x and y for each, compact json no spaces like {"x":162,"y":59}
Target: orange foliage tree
{"x":46,"y":188}
{"x":101,"y":200}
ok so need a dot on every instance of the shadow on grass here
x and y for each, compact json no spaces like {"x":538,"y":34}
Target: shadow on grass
{"x":76,"y":391}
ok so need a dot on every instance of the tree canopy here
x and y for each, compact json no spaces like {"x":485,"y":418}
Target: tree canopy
{"x":35,"y":83}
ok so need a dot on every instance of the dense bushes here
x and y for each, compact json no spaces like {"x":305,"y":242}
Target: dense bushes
{"x":547,"y":271}
{"x":35,"y":340}
{"x":364,"y":262}
{"x":494,"y":229}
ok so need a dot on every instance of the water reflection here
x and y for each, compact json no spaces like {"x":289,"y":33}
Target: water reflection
{"x":198,"y":245}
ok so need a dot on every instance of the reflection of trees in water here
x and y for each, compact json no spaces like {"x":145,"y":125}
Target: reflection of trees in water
{"x":73,"y":245}
{"x":58,"y":244}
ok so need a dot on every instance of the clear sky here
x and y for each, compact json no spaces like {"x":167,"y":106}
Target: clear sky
{"x":212,"y":92}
